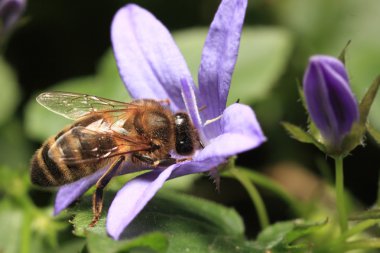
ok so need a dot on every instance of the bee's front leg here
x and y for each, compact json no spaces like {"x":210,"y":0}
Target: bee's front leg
{"x":97,"y":197}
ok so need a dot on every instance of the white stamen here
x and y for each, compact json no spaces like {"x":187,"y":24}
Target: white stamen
{"x":209,"y":121}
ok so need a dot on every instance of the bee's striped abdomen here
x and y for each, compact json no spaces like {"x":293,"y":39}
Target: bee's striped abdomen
{"x":49,"y":166}
{"x":44,"y":170}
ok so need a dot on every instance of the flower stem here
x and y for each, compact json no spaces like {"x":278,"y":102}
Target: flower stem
{"x":254,"y":195}
{"x":269,"y":184}
{"x":340,"y":198}
{"x":25,"y":232}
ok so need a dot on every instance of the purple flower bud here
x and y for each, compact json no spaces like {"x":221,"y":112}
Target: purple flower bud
{"x":330,"y":101}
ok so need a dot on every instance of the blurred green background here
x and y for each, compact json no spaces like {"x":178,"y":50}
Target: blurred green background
{"x":65,"y":45}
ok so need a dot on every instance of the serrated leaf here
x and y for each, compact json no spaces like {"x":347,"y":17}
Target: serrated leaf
{"x":300,"y":135}
{"x":156,"y":242}
{"x":280,"y":236}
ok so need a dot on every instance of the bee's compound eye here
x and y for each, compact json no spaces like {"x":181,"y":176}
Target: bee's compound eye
{"x":184,"y":143}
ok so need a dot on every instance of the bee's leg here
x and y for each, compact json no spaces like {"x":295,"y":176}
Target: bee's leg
{"x":97,"y":197}
{"x":167,"y":161}
{"x":143,"y":158}
{"x":154,"y":162}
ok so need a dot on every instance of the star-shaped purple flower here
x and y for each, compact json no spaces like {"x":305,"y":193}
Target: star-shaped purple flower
{"x":152,"y":66}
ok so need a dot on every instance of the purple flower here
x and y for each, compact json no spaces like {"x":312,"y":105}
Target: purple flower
{"x":152,"y":66}
{"x":330,"y":102}
{"x":10,"y":11}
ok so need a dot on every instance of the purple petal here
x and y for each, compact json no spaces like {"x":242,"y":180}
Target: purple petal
{"x":189,"y":97}
{"x":148,"y":59}
{"x":67,"y":194}
{"x":218,"y":59}
{"x":131,"y":199}
{"x":200,"y":166}
{"x":241,"y":132}
{"x":10,"y":11}
{"x":331,"y":104}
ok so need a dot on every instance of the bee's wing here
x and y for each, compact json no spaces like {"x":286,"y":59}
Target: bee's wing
{"x":82,"y":145}
{"x":75,"y":105}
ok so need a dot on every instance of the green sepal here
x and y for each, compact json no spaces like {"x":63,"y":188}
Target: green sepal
{"x":313,"y":130}
{"x":342,"y":56}
{"x":374,"y":133}
{"x":281,"y":236}
{"x":302,"y":95}
{"x":354,"y":138}
{"x":366,"y":103}
{"x":302,"y":136}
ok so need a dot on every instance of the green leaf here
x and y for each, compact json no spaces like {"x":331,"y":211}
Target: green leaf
{"x":40,"y":123}
{"x":280,"y":236}
{"x":300,"y":135}
{"x":15,"y":149}
{"x":190,"y":224}
{"x":262,"y":59}
{"x":191,"y":214}
{"x":154,"y":241}
{"x":190,"y":42}
{"x":10,"y":93}
{"x":11,"y":223}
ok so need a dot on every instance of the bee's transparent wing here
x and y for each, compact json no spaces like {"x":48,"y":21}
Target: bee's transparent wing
{"x":74,"y":105}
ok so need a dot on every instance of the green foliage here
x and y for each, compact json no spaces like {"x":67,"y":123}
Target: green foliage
{"x":282,"y":236}
{"x":270,"y":59}
{"x":263,"y":56}
{"x":10,"y":93}
{"x":151,"y":242}
{"x":300,"y":135}
{"x":177,"y":221}
{"x":15,"y":149}
{"x":209,"y":218}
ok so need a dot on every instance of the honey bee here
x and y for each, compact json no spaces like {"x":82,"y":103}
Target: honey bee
{"x":107,"y":133}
